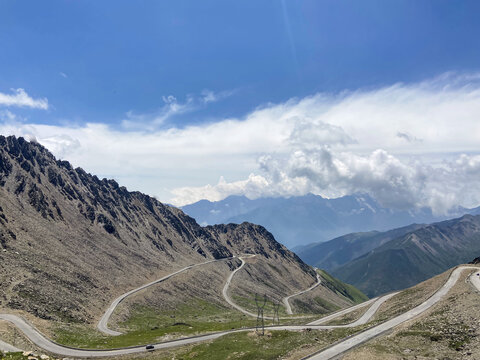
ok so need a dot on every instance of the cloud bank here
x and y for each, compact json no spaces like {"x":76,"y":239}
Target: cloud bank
{"x":19,"y":98}
{"x":407,"y":145}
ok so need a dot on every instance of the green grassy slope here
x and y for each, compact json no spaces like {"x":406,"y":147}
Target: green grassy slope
{"x":414,"y":257}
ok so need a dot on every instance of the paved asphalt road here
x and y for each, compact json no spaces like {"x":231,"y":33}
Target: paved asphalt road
{"x":227,"y":285}
{"x":103,"y":323}
{"x":246,"y":312}
{"x":475,"y":279}
{"x":356,"y":340}
{"x":7,"y":347}
{"x":340,"y":313}
{"x":329,"y":353}
{"x":285,"y":301}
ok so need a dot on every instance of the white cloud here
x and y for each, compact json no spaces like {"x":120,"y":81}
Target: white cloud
{"x":19,"y":98}
{"x":171,"y":108}
{"x":209,"y":96}
{"x":394,"y":183}
{"x":400,"y":143}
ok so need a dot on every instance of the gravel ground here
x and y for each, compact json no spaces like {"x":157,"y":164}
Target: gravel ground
{"x":450,"y":330}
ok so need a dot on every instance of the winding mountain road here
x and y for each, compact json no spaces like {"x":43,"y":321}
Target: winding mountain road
{"x":41,"y":341}
{"x":375,"y":331}
{"x":286,"y":299}
{"x":340,"y":313}
{"x":288,"y":309}
{"x":227,"y":285}
{"x":103,"y":323}
{"x":377,"y":302}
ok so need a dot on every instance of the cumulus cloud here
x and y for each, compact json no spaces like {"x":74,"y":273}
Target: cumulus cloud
{"x":393,"y":182}
{"x":19,"y":98}
{"x":399,"y":143}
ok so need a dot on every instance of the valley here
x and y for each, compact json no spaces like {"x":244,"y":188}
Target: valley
{"x":239,"y":180}
{"x":372,"y":330}
{"x":92,"y":270}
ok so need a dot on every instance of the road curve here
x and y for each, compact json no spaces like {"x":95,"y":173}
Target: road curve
{"x":41,"y":341}
{"x":340,"y":313}
{"x":227,"y":285}
{"x":475,"y":279}
{"x":103,"y":323}
{"x":285,"y":301}
{"x":7,"y":347}
{"x":377,"y":302}
{"x":375,"y":331}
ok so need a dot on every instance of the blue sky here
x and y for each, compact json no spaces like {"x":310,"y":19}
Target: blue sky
{"x":235,"y":90}
{"x":121,"y":56}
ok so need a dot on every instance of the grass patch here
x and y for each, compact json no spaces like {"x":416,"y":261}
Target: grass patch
{"x":330,"y":307}
{"x":149,"y":325}
{"x":12,"y":356}
{"x":346,"y":290}
{"x":400,"y":303}
{"x":349,"y":317}
{"x":146,"y":325}
{"x":442,"y":328}
{"x":249,"y":346}
{"x":249,"y":304}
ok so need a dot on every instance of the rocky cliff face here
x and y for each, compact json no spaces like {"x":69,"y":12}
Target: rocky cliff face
{"x":70,"y":242}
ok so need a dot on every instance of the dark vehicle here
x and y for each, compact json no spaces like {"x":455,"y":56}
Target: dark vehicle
{"x":150,"y":347}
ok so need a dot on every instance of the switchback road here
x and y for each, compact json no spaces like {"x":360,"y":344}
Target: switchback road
{"x":41,"y":341}
{"x":103,"y":323}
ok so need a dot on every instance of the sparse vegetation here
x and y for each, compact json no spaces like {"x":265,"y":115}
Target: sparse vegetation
{"x":250,"y":346}
{"x":146,"y":324}
{"x":449,"y":331}
{"x":409,"y":298}
{"x":22,"y":356}
{"x":349,"y":318}
{"x":326,"y":305}
{"x":346,"y":290}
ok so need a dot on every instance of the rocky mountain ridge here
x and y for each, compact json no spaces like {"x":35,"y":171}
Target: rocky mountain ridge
{"x":413,"y":257}
{"x":70,"y":242}
{"x":332,"y":254}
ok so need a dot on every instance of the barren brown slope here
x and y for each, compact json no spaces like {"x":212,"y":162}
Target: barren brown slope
{"x":70,"y":242}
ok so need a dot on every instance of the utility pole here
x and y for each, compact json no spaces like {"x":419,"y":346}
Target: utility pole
{"x":276,"y":306}
{"x":260,"y":306}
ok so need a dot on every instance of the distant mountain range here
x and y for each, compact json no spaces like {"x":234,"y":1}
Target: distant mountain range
{"x":330,"y":255}
{"x":301,"y":220}
{"x":399,"y":258}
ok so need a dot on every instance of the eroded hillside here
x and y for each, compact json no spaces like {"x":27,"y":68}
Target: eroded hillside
{"x":70,"y":242}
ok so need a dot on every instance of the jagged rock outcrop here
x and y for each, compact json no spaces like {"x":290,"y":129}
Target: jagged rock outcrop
{"x":475,"y":261}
